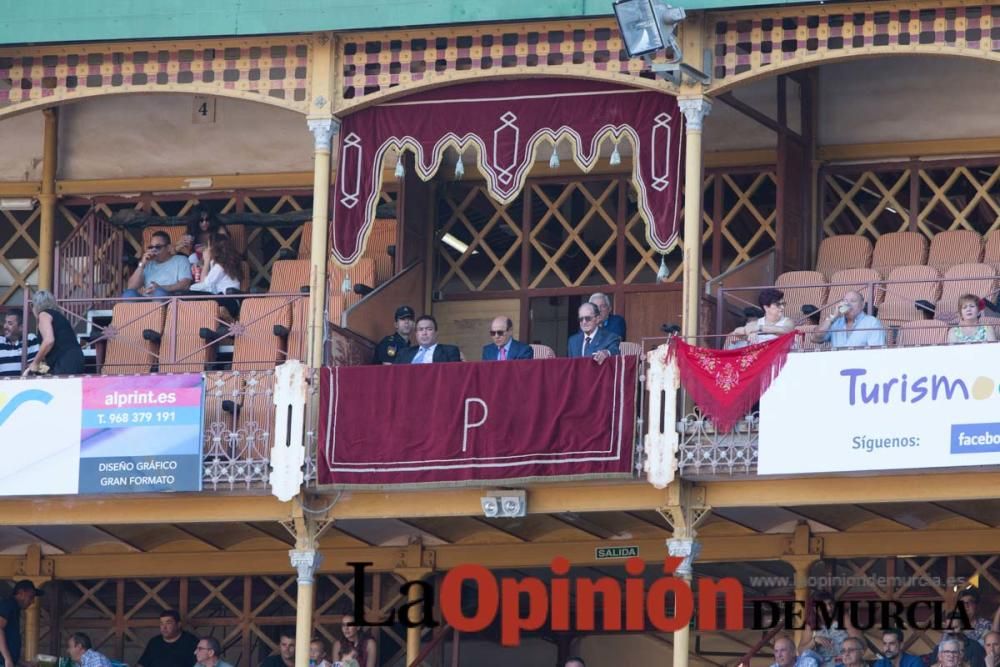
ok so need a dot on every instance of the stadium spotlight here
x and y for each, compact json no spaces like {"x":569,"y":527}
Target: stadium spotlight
{"x":649,"y":26}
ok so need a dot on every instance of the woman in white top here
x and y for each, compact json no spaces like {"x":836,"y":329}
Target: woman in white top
{"x":223,"y":269}
{"x":773,"y":324}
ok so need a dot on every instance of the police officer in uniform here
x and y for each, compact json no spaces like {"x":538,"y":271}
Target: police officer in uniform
{"x":390,"y":346}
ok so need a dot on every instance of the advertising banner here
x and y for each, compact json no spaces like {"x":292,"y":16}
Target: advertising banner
{"x":128,"y":434}
{"x":869,"y":410}
{"x":476,"y":422}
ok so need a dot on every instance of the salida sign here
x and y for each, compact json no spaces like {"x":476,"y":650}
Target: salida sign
{"x":563,"y":604}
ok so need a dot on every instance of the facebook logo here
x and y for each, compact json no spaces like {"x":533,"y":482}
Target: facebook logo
{"x":975,"y":438}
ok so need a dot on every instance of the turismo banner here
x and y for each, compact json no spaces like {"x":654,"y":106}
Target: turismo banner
{"x":134,"y":434}
{"x":868,"y":410}
{"x":474,"y":422}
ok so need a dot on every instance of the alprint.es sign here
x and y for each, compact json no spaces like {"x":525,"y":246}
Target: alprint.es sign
{"x":118,"y":434}
{"x":611,"y":553}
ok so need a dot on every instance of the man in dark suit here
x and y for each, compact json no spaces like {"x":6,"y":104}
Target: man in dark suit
{"x":592,"y":340}
{"x":609,"y":321}
{"x":504,"y":347}
{"x":428,"y":350}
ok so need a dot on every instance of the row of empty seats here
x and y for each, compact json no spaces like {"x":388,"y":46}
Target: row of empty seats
{"x":945,"y":250}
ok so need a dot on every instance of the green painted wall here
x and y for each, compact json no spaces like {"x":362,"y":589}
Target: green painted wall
{"x":51,"y":21}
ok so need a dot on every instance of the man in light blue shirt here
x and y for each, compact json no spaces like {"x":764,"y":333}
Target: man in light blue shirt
{"x":851,"y":326}
{"x":160,"y":272}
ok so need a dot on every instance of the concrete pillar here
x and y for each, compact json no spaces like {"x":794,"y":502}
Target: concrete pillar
{"x":323,"y":130}
{"x":47,"y":200}
{"x":694,"y":109}
{"x":307,"y":562}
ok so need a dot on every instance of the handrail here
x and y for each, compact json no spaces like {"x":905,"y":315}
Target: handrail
{"x":378,"y":290}
{"x":438,"y":637}
{"x":769,"y":636}
{"x":869,"y":287}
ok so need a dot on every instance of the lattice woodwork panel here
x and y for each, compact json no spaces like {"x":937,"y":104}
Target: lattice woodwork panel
{"x":747,"y":44}
{"x":377,"y":63}
{"x":573,"y":233}
{"x":487,"y":255}
{"x":642,"y":262}
{"x":18,"y":253}
{"x":959,"y":197}
{"x":270,"y":70}
{"x":864,"y":201}
{"x":245,"y":613}
{"x":747,"y":216}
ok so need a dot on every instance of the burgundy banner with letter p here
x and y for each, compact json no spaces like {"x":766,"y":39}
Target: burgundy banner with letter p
{"x":476,"y":422}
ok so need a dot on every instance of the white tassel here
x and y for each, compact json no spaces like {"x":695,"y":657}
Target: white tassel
{"x":616,"y":157}
{"x":345,"y":285}
{"x":663,"y":273}
{"x":400,"y":170}
{"x":459,"y":168}
{"x":554,"y":160}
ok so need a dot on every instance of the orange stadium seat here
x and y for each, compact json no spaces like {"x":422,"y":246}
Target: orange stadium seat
{"x":898,"y":249}
{"x":543,"y":351}
{"x":898,"y":302}
{"x":846,"y":251}
{"x":182,"y":348}
{"x":958,"y":246}
{"x":922,"y":332}
{"x":796,"y":297}
{"x":128,"y":351}
{"x":975,"y":279}
{"x":858,"y":280}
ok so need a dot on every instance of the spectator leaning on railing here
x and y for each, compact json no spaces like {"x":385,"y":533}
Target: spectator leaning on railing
{"x":10,"y":344}
{"x":59,"y":352}
{"x":850,"y":326}
{"x":592,"y":341}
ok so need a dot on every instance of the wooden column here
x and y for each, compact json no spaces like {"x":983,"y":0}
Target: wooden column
{"x":694,"y":109}
{"x":306,"y":561}
{"x":47,"y":200}
{"x":323,"y":126}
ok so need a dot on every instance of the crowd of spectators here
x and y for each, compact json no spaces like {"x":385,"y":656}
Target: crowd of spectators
{"x":599,"y":337}
{"x":849,"y":324}
{"x":970,"y":642}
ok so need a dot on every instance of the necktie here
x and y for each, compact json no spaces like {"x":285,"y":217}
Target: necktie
{"x":586,"y":346}
{"x":419,"y":357}
{"x":503,"y":354}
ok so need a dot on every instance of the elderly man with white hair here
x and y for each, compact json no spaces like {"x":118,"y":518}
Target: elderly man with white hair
{"x":609,"y":321}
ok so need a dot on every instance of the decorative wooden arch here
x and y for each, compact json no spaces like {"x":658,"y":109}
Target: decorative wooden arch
{"x":274,"y":71}
{"x":376,"y":66}
{"x":748,"y":45}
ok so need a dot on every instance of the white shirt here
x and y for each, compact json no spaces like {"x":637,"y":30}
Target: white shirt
{"x":583,"y":350}
{"x":428,"y":357}
{"x":216,"y":282}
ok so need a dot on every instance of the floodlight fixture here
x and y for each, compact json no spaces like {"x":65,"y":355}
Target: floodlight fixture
{"x":648,"y":26}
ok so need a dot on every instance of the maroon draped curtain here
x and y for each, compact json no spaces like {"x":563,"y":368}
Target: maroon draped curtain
{"x":506,"y":122}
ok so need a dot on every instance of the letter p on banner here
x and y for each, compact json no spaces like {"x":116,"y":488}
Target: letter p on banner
{"x":466,"y":426}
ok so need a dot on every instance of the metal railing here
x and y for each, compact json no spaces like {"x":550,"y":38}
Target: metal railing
{"x":874,"y":293}
{"x":705,"y":452}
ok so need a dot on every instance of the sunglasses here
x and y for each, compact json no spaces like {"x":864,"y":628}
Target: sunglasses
{"x":497,"y":333}
{"x":586,"y":318}
{"x":155,"y":247}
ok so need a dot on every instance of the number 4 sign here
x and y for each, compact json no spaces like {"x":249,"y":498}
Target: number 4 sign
{"x":203,"y":110}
